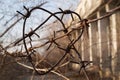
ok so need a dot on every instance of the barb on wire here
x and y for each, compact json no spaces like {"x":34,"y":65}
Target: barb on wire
{"x":27,"y":15}
{"x":66,"y":12}
{"x":52,"y":40}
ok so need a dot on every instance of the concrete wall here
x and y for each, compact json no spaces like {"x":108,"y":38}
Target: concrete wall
{"x":103,"y":45}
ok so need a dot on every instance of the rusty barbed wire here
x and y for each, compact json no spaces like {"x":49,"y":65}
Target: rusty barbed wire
{"x":78,"y":28}
{"x":83,"y":28}
{"x":66,"y":50}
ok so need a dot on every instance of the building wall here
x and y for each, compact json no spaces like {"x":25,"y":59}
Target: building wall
{"x":103,"y":45}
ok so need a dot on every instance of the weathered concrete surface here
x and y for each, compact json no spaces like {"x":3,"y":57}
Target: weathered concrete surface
{"x":86,"y":7}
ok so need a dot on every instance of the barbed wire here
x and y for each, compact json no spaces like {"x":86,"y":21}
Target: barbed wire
{"x":67,"y":49}
{"x":83,"y":28}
